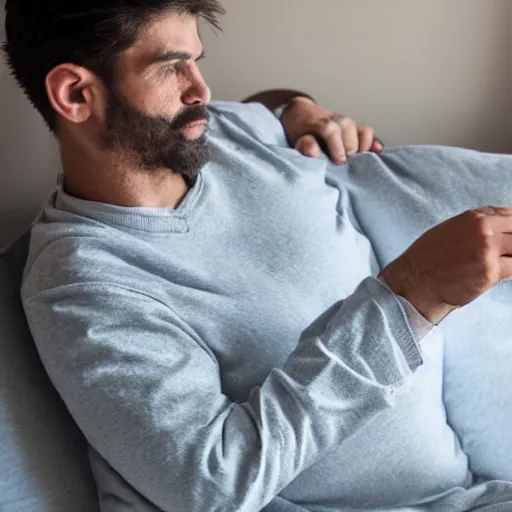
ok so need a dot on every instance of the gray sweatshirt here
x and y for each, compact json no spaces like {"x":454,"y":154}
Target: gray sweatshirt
{"x":230,"y":353}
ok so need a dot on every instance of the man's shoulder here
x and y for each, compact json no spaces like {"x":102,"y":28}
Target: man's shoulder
{"x":241,"y":110}
{"x":71,"y":253}
{"x":252,"y":118}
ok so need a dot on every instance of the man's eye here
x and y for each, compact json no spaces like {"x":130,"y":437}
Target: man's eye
{"x":174,"y":69}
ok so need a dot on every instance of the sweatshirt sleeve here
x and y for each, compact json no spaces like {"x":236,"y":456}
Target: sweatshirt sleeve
{"x":147,"y":392}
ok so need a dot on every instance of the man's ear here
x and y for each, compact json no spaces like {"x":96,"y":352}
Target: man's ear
{"x":72,"y":91}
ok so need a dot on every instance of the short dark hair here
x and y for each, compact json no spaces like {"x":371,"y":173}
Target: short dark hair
{"x":42,"y":34}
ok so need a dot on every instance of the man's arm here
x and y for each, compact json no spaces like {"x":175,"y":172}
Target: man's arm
{"x":275,"y":98}
{"x":312,"y":129}
{"x":146,"y":390}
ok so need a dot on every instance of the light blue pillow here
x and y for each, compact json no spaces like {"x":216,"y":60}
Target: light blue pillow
{"x":396,"y":197}
{"x":43,"y":456}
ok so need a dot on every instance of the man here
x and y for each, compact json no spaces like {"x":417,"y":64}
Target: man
{"x":174,"y":280}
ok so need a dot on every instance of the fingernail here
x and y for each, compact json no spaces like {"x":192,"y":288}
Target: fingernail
{"x":378,"y":145}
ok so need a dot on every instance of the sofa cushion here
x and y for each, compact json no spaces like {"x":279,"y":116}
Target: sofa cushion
{"x":43,"y":456}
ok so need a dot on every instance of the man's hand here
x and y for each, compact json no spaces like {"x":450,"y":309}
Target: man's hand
{"x":455,"y":262}
{"x":309,"y":127}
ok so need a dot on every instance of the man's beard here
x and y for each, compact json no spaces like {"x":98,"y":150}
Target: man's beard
{"x":155,"y":143}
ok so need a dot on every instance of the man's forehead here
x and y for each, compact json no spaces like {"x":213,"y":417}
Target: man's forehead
{"x":165,"y":34}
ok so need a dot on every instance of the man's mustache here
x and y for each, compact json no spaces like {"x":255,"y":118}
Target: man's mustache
{"x":190,"y":115}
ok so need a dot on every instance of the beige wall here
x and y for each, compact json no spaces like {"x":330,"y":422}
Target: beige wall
{"x":420,"y":71}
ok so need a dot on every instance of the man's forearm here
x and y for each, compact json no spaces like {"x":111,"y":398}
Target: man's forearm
{"x":274,"y":98}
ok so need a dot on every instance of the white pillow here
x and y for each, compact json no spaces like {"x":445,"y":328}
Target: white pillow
{"x":396,"y":197}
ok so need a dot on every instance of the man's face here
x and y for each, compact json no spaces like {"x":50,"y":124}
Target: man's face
{"x":156,"y":114}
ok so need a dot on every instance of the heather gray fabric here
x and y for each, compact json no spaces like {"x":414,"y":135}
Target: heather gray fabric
{"x":185,"y":344}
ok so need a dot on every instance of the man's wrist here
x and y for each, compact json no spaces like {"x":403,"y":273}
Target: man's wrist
{"x":420,"y":325}
{"x":431,"y":309}
{"x":279,"y":111}
{"x":275,"y":98}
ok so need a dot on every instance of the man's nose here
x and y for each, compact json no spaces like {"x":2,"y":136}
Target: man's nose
{"x":197,"y":92}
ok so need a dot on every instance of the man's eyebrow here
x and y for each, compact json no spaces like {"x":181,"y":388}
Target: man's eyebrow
{"x":173,"y":55}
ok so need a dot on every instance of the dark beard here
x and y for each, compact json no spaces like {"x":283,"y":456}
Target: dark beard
{"x":155,"y":143}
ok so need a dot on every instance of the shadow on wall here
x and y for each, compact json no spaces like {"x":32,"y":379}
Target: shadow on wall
{"x":28,"y":157}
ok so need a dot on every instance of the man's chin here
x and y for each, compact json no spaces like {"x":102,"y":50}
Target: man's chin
{"x":190,"y":160}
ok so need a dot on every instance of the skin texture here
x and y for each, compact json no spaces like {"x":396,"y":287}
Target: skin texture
{"x":311,"y":129}
{"x":154,"y":86}
{"x":455,"y":262}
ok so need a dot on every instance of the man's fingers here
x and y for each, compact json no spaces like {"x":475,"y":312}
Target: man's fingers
{"x":366,"y":138}
{"x":350,"y":136}
{"x":505,"y":268}
{"x":493,"y":210}
{"x":494,"y":220}
{"x":505,"y":244}
{"x":331,"y":134}
{"x":502,"y":224}
{"x":308,"y":146}
{"x":485,"y":211}
{"x":377,"y":146}
{"x":341,"y":137}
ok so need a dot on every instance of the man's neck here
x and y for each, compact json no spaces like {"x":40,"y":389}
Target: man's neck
{"x":106,"y":180}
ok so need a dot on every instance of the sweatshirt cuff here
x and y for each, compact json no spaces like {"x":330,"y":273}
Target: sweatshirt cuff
{"x":420,"y":326}
{"x":399,"y":322}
